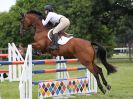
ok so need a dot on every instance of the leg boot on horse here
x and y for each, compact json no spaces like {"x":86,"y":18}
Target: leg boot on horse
{"x":54,"y":45}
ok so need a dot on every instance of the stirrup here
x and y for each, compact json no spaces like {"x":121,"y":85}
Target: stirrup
{"x":53,"y":47}
{"x":68,"y":35}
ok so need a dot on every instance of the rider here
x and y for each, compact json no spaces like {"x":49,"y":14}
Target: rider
{"x":60,"y":22}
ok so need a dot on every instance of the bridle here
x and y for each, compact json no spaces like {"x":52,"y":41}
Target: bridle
{"x":22,"y":30}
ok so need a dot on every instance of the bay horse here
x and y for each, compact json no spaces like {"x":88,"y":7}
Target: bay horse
{"x":80,"y":48}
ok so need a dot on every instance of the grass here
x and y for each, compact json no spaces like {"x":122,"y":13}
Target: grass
{"x":121,"y":55}
{"x":121,"y":83}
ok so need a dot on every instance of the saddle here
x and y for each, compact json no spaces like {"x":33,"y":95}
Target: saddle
{"x":63,"y":37}
{"x":60,"y":34}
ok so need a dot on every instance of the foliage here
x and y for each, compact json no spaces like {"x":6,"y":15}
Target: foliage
{"x":94,"y":20}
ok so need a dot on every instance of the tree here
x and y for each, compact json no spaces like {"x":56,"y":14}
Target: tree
{"x":83,"y":14}
{"x":10,"y":22}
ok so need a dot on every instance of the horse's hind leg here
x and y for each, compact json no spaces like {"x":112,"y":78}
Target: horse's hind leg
{"x":99,"y":84}
{"x":102,"y":77}
{"x":95,"y":71}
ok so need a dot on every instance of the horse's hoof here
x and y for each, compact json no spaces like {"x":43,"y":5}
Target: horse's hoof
{"x":36,"y":52}
{"x":108,"y":87}
{"x":103,"y":91}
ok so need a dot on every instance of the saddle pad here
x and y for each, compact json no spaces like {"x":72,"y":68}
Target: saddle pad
{"x":62,"y":40}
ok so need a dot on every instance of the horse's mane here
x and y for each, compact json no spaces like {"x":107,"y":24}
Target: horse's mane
{"x":37,"y":13}
{"x":40,"y":15}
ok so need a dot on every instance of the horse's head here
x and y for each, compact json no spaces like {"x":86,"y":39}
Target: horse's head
{"x":31,"y":18}
{"x":25,"y":23}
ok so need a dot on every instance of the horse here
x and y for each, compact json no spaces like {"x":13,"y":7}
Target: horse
{"x":83,"y":50}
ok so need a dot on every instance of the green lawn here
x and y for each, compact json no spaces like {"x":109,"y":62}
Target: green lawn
{"x":121,"y":82}
{"x":121,"y":56}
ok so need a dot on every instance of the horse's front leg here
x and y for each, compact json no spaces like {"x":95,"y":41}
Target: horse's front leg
{"x":36,"y":45}
{"x":36,"y":48}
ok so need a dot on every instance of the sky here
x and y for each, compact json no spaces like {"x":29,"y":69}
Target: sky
{"x":6,"y":4}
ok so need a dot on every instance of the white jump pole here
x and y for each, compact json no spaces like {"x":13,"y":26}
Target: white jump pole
{"x":14,"y":69}
{"x":25,"y":85}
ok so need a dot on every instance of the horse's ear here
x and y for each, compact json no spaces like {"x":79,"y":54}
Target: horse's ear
{"x":22,"y":14}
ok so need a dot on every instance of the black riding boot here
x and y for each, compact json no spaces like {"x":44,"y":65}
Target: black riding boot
{"x":54,"y":44}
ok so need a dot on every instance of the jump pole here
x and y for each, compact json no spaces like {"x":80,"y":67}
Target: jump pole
{"x":4,"y":55}
{"x":15,"y":70}
{"x":67,"y":86}
{"x":25,"y":85}
{"x":62,"y":75}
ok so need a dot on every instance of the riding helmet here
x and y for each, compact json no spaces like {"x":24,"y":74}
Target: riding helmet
{"x":49,"y":8}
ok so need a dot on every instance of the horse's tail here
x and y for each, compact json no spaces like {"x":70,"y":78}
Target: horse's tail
{"x":101,"y":54}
